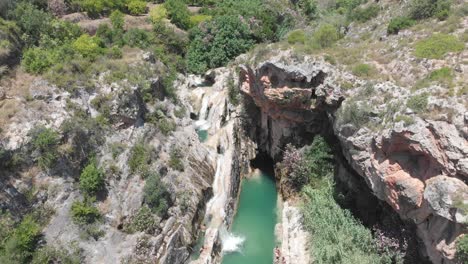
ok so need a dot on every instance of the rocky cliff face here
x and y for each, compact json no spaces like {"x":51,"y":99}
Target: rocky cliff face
{"x":172,"y":237}
{"x":419,"y":167}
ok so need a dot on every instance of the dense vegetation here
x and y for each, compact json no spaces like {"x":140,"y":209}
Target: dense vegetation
{"x":337,"y":237}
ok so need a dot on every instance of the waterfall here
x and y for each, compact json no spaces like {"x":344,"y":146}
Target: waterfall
{"x":231,"y":242}
{"x":202,"y":122}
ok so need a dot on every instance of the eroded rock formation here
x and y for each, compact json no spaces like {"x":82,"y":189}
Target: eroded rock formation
{"x":419,"y":169}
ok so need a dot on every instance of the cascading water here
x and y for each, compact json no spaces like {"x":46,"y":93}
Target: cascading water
{"x":231,"y":242}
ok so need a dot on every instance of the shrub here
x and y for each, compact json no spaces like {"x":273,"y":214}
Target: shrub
{"x":462,"y":249}
{"x":326,"y":35}
{"x":136,"y":7}
{"x":356,"y":113}
{"x":363,"y":70}
{"x":93,"y":231}
{"x":309,"y":7}
{"x":32,"y":22}
{"x":45,"y":141}
{"x":84,"y":213}
{"x":96,"y":7}
{"x":421,"y":9}
{"x":38,"y":60}
{"x":365,"y":14}
{"x":198,"y":19}
{"x":20,"y":245}
{"x":296,"y":36}
{"x":117,"y":20}
{"x":442,"y":75}
{"x":143,"y":221}
{"x":408,"y":120}
{"x":230,"y":38}
{"x":418,"y":103}
{"x":158,"y":13}
{"x":337,"y":236}
{"x":398,"y":23}
{"x":139,"y":158}
{"x":87,"y":46}
{"x":91,"y":179}
{"x":178,"y":13}
{"x":175,"y":160}
{"x":155,"y":195}
{"x":49,"y":254}
{"x":115,"y":53}
{"x":166,"y":125}
{"x":136,"y":37}
{"x":436,"y":46}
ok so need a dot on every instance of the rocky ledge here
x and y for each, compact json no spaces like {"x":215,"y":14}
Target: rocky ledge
{"x":417,"y":162}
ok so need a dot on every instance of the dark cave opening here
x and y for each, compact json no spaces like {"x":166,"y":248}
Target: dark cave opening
{"x":263,"y":162}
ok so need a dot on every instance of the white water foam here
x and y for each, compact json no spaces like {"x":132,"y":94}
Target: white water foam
{"x":231,"y":243}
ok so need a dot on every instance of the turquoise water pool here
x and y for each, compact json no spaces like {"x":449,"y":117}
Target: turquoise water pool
{"x":255,"y":221}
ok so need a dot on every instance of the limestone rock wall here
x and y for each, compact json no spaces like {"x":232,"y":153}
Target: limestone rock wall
{"x":419,"y":169}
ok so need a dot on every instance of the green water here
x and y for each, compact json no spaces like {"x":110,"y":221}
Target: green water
{"x":202,"y":135}
{"x":255,"y":220}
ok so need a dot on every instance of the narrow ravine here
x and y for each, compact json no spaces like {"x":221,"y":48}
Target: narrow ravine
{"x":254,"y":221}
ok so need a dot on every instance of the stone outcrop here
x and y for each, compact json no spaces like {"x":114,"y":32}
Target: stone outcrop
{"x":418,"y":168}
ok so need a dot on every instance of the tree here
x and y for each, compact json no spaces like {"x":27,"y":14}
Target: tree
{"x":32,"y":22}
{"x":45,"y":142}
{"x":217,"y":42}
{"x":178,"y":13}
{"x":155,"y":195}
{"x":91,"y":179}
{"x":87,"y":46}
{"x":136,"y":7}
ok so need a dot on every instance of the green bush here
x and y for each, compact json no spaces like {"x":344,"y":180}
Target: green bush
{"x":365,"y":14}
{"x":229,"y":36}
{"x":309,"y":7}
{"x":355,"y":113}
{"x":418,"y":103}
{"x":166,"y":125}
{"x":136,"y":7}
{"x":93,"y":231}
{"x":325,"y":36}
{"x":462,"y":249}
{"x":136,"y":37}
{"x":47,"y":254}
{"x":139,"y":158}
{"x":32,"y":22}
{"x":156,"y":195}
{"x":20,"y":245}
{"x":91,"y":180}
{"x":198,"y":19}
{"x":94,"y":8}
{"x":175,"y":159}
{"x":87,"y":46}
{"x":117,"y":19}
{"x":421,"y":9}
{"x":398,"y":23}
{"x":143,"y":221}
{"x":337,"y":237}
{"x":158,"y":13}
{"x":442,"y":75}
{"x":84,"y":213}
{"x":436,"y":46}
{"x":37,"y":60}
{"x":45,"y":142}
{"x":363,"y":70}
{"x":296,"y":36}
{"x":178,"y":13}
